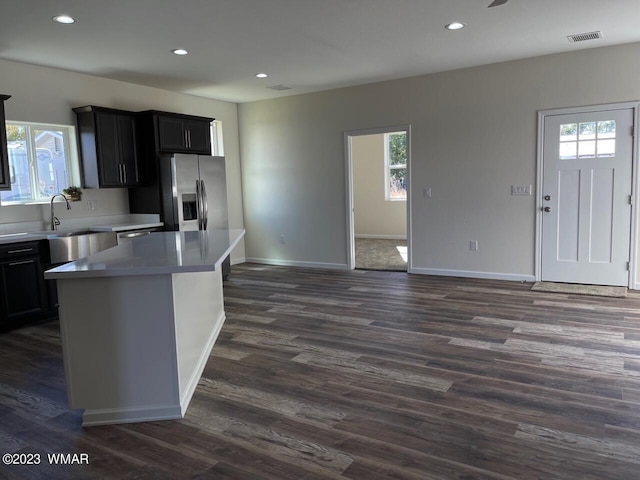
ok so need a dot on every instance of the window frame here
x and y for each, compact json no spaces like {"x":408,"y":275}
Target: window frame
{"x":72,"y":160}
{"x":388,"y":168}
{"x":217,"y":141}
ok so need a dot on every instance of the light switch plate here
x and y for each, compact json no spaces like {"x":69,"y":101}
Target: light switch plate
{"x":520,"y":189}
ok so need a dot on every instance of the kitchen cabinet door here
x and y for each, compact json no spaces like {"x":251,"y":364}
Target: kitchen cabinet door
{"x":108,"y":146}
{"x":128,"y":150}
{"x":184,"y":134}
{"x":5,"y":176}
{"x":199,"y":135}
{"x":22,"y":288}
{"x":171,"y":134}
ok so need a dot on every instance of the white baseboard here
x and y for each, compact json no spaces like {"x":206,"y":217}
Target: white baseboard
{"x":474,"y":274}
{"x":418,"y":271}
{"x":149,"y":413}
{"x":238,"y":261}
{"x":381,"y":237}
{"x":293,"y":263}
{"x":636,"y":286}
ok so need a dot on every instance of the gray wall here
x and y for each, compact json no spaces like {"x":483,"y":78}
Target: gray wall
{"x":473,"y":134}
{"x":47,"y":95}
{"x":373,"y":215}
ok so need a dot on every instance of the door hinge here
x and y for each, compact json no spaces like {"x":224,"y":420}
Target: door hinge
{"x":628,"y":266}
{"x":630,"y":199}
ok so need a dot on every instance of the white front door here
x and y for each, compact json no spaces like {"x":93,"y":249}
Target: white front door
{"x":586,"y":220}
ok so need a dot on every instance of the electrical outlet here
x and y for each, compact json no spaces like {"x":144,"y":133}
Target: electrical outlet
{"x":283,"y":239}
{"x":91,"y":204}
{"x":473,"y":245}
{"x":426,"y":193}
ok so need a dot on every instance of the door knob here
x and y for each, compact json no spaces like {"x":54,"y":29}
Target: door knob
{"x":547,"y":209}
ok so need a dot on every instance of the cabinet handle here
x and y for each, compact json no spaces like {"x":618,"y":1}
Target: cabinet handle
{"x":124,"y":173}
{"x":22,"y":250}
{"x":189,"y":135}
{"x":186,"y":138}
{"x":23,"y":262}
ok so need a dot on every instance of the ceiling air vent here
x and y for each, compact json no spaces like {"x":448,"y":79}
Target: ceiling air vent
{"x":279,"y":87}
{"x":583,"y":37}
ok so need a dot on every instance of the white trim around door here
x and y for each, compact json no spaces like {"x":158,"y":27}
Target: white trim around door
{"x":540,"y":201}
{"x":348,"y":135}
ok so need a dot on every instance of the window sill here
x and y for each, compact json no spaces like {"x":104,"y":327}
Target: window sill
{"x":35,"y":202}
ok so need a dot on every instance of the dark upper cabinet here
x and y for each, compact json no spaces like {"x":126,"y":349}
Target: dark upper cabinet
{"x":108,"y":145}
{"x":162,"y":133}
{"x":177,"y":133}
{"x":5,"y":177}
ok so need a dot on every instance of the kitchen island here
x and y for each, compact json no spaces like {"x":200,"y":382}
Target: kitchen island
{"x":138,"y":322}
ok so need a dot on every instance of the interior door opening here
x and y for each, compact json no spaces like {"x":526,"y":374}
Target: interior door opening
{"x":378,"y":198}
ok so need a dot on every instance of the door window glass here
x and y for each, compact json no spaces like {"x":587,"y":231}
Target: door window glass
{"x":588,"y":140}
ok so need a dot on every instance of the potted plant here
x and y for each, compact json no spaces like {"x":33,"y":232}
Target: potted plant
{"x":72,"y":193}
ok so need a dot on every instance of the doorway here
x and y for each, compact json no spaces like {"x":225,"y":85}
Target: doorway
{"x":378,"y":200}
{"x":586,"y":182}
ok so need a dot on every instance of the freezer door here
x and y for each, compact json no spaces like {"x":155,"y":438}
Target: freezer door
{"x":186,"y":191}
{"x":214,"y":192}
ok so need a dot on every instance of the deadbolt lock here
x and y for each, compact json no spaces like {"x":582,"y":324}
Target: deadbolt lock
{"x":547,"y":197}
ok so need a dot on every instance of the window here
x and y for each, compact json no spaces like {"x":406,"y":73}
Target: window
{"x":588,"y":140}
{"x":395,"y":162}
{"x":41,"y":161}
{"x":217,"y":144}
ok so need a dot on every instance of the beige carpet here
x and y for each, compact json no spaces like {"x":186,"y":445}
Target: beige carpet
{"x":381,"y":254}
{"x":573,"y":288}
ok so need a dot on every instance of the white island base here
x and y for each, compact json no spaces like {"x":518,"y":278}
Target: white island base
{"x":135,"y":346}
{"x":138,"y":322}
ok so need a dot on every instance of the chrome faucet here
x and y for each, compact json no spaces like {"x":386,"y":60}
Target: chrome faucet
{"x":55,"y":221}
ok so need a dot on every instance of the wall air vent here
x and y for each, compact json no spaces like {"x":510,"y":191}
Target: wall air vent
{"x":583,"y":37}
{"x":279,"y":87}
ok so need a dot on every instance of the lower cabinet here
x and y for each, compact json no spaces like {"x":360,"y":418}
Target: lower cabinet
{"x":23,"y":293}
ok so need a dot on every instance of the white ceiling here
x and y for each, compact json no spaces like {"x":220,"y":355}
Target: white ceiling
{"x":308,"y":45}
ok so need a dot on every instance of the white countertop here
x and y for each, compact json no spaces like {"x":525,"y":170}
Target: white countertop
{"x":99,"y":224}
{"x":123,"y":227}
{"x":156,"y":253}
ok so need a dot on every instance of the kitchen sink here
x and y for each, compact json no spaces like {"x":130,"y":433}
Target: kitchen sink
{"x":67,"y":247}
{"x":74,"y":234}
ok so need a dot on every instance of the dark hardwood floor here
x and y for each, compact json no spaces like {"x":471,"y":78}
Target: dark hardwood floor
{"x":364,"y":375}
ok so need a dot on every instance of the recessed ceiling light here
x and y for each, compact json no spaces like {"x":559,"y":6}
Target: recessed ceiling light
{"x":179,"y":51}
{"x":66,"y":19}
{"x":261,"y":75}
{"x":455,"y":26}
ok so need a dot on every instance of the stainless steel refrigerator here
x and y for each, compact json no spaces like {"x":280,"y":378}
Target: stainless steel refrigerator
{"x":194,"y":194}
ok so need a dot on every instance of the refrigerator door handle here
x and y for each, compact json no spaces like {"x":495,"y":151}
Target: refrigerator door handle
{"x":199,"y":204}
{"x":205,"y":205}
